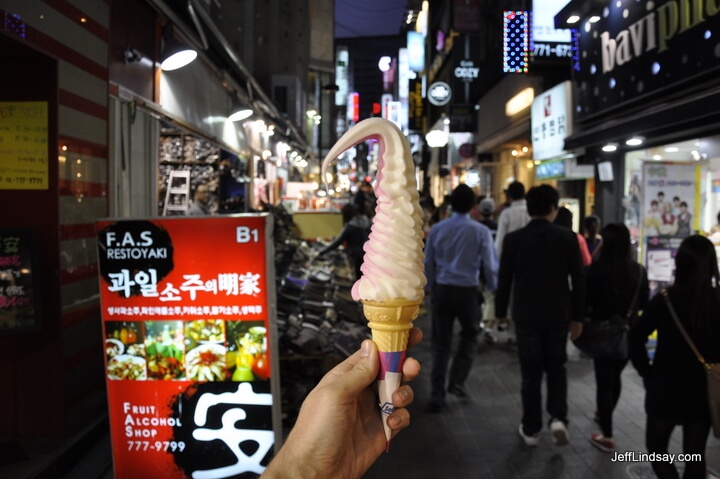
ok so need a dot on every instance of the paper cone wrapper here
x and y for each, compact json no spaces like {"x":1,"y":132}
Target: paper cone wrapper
{"x":390,"y":322}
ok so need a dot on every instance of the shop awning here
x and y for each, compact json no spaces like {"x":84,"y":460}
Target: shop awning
{"x":696,"y":115}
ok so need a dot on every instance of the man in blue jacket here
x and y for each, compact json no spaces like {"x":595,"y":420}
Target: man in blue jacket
{"x":541,"y":270}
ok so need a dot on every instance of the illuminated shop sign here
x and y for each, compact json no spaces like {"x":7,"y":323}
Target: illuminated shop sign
{"x":190,"y":351}
{"x":416,"y":106}
{"x":341,"y":75}
{"x":516,"y":41}
{"x":637,"y":48}
{"x":439,"y":93}
{"x":550,"y":169}
{"x":547,"y":41}
{"x":353,"y":107}
{"x":416,"y":51}
{"x":466,"y":71}
{"x":551,"y":121}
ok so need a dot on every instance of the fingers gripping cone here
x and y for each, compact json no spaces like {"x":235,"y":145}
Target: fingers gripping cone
{"x":391,"y":286}
{"x":390,"y":322}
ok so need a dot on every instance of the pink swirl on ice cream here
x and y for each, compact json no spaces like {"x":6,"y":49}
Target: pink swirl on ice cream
{"x":393,"y":264}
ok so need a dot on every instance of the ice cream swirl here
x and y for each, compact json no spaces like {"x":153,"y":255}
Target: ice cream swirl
{"x":393,"y":261}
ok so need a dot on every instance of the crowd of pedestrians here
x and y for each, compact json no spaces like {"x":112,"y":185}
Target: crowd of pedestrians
{"x":547,"y":282}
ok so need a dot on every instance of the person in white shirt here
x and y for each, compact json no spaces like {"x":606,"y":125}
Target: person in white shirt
{"x":514,"y":216}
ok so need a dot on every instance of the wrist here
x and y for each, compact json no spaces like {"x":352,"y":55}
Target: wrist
{"x":288,"y":465}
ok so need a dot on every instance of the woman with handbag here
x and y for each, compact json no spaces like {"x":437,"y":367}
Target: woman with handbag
{"x":676,"y":382}
{"x":617,"y":287}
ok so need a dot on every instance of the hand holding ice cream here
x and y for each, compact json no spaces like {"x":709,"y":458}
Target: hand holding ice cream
{"x":337,"y":433}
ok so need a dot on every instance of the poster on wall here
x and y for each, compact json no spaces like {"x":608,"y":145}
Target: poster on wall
{"x":24,"y":145}
{"x":191,"y":363}
{"x":19,"y":295}
{"x":670,"y":211}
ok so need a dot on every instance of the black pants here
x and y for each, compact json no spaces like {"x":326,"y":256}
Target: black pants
{"x":448,"y":303}
{"x":541,"y":349}
{"x":608,"y":385}
{"x":694,"y":438}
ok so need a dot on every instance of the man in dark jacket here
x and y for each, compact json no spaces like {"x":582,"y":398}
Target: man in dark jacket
{"x":354,"y":234}
{"x":541,"y":270}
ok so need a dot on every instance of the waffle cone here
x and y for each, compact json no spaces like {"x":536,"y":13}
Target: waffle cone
{"x":390,"y":322}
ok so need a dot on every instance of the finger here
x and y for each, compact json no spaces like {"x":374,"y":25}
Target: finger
{"x":357,"y":372}
{"x":415,"y":337}
{"x":398,"y":420}
{"x":403,"y":396}
{"x":411,"y":369}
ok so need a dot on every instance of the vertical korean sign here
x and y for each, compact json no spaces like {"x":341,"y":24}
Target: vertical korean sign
{"x":24,"y":145}
{"x":19,"y":295}
{"x":188,"y":318}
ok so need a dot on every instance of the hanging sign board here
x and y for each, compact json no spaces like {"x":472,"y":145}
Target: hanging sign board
{"x":19,"y":295}
{"x":191,"y":364}
{"x":24,"y":145}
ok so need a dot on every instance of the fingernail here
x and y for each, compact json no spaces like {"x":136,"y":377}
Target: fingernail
{"x":394,"y":421}
{"x":365,"y":349}
{"x":404,"y":393}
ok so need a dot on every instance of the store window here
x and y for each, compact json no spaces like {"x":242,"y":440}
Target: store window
{"x":670,"y":192}
{"x":197,"y":177}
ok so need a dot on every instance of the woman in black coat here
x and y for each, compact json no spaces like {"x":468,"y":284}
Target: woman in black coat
{"x":613,"y":281}
{"x":675,"y":382}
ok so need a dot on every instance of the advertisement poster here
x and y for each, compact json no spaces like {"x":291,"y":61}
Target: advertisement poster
{"x":19,"y":310}
{"x":670,"y":211}
{"x":188,"y":319}
{"x":24,"y":145}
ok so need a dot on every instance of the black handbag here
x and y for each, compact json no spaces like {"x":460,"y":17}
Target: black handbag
{"x":608,"y":338}
{"x":712,"y":370}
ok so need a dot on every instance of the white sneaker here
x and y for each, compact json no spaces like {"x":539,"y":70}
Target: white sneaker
{"x":559,"y":432}
{"x":532,"y":440}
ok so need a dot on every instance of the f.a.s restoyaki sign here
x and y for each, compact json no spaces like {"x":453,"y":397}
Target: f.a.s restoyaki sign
{"x":189,"y":345}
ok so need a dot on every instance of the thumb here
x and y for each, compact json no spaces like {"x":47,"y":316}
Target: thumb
{"x":363,"y":372}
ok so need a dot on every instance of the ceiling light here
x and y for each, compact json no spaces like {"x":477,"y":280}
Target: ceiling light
{"x":610,"y":147}
{"x":672,"y":149}
{"x":573,"y":19}
{"x":635,"y":141}
{"x":594,"y":19}
{"x":238,"y":111}
{"x":175,"y":54}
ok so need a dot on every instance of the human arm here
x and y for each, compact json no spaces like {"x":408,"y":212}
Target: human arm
{"x":339,"y":431}
{"x":339,"y":239}
{"x":502,"y":226}
{"x":577,"y":279}
{"x":638,"y":337}
{"x":505,"y":280}
{"x":490,"y":263}
{"x":429,"y":261}
{"x":584,"y":251}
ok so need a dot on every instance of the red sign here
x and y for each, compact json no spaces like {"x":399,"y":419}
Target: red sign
{"x":354,"y":107}
{"x":186,"y":309}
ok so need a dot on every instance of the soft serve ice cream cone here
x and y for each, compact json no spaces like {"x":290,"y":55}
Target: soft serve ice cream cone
{"x":391,"y":287}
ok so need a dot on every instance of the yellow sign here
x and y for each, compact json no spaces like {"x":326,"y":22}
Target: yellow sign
{"x":24,"y":145}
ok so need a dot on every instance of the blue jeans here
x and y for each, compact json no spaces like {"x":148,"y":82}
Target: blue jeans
{"x":448,"y":303}
{"x":541,"y":349}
